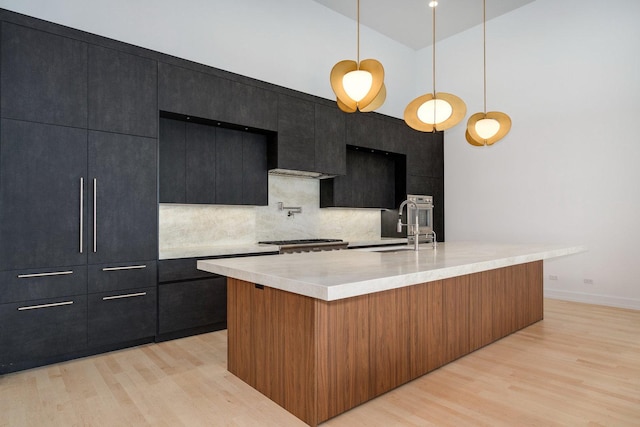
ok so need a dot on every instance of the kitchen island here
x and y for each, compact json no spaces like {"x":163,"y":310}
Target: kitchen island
{"x":320,"y":333}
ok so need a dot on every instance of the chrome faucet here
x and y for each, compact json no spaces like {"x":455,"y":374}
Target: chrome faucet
{"x":415,"y":230}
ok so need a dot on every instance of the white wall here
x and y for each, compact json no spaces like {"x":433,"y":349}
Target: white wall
{"x":568,"y":74}
{"x":565,"y":71}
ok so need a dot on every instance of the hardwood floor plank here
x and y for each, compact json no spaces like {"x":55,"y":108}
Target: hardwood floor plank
{"x":578,"y":366}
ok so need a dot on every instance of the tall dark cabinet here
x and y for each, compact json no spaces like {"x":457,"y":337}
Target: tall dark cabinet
{"x":78,"y":203}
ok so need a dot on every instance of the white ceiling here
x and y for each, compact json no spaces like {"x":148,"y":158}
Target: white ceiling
{"x":409,"y":21}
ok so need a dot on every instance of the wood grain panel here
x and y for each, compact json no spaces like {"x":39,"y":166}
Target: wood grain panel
{"x":456,"y":317}
{"x":480,"y":310}
{"x":390,"y":338}
{"x":297,"y":323}
{"x":435,"y":326}
{"x":268,"y":337}
{"x":343,"y":355}
{"x":535,"y":274}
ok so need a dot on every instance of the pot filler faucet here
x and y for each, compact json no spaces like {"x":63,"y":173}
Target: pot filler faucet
{"x":413,"y":229}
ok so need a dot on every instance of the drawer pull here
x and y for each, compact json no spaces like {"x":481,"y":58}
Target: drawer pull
{"x":138,"y":294}
{"x":54,"y":273}
{"x":128,"y":267}
{"x":35,"y":307}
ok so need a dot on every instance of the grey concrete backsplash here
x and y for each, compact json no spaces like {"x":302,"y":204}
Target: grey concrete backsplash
{"x":207,"y":225}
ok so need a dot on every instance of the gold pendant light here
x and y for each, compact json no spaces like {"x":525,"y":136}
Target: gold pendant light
{"x":486,"y":128}
{"x":358,"y":85}
{"x":435,"y":111}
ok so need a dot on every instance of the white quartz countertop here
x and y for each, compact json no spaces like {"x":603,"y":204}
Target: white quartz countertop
{"x":334,"y":275}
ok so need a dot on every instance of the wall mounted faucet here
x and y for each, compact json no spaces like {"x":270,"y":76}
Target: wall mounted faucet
{"x":291,"y":210}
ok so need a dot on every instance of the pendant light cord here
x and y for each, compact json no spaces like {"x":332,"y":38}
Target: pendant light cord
{"x":433,"y":50}
{"x":484,"y":50}
{"x":358,"y":38}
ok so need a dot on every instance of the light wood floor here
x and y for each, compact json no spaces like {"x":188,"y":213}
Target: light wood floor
{"x":580,"y":366}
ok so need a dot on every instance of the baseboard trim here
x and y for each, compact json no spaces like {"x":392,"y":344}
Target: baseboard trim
{"x":631,"y":303}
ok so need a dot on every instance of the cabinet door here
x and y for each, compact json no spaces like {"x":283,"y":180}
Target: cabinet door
{"x":330,"y":146}
{"x":296,"y":140}
{"x":44,"y":77}
{"x":200,"y":163}
{"x":425,"y":154}
{"x":40,"y":329}
{"x":42,"y":196}
{"x":122,"y":316}
{"x":365,"y":130}
{"x":123,"y":172}
{"x":123,"y":92}
{"x":191,"y":304}
{"x":228,"y":166}
{"x":255,"y":182}
{"x":198,"y":94}
{"x":172,"y":162}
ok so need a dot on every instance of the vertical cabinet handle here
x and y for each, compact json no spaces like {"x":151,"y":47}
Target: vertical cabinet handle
{"x":81,"y":212}
{"x":95,"y":215}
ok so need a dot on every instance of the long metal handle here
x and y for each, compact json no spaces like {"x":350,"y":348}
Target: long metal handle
{"x":95,"y":215}
{"x":128,"y":267}
{"x":35,"y":307}
{"x":53,"y":273}
{"x":81,"y":213}
{"x":138,"y":294}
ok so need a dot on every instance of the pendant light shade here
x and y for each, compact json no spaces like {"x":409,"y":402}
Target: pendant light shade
{"x":358,"y":85}
{"x":486,"y":128}
{"x":435,"y":111}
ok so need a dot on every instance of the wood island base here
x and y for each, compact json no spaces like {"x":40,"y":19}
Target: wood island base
{"x":319,"y":358}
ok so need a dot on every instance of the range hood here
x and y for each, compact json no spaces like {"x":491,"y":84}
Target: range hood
{"x":299,"y":174}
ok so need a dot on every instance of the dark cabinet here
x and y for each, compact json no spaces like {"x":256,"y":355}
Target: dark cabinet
{"x":122,"y":92}
{"x":42,"y":283}
{"x":425,"y":153}
{"x":189,"y":300}
{"x":207,"y":164}
{"x":296,"y":137}
{"x":121,"y":316}
{"x":311,"y":137}
{"x":35,"y":331}
{"x":330,"y":140}
{"x":369,"y":182}
{"x":376,"y":132}
{"x":228,"y":166}
{"x":199,"y":94}
{"x":123,"y":176}
{"x":43,"y":195}
{"x":43,"y":77}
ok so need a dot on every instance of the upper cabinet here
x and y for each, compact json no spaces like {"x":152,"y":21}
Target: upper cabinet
{"x":122,"y":92}
{"x":43,"y":77}
{"x":311,"y":137}
{"x":425,"y":153}
{"x":199,"y":94}
{"x":205,"y":164}
{"x":370,"y":181}
{"x":374,"y":131}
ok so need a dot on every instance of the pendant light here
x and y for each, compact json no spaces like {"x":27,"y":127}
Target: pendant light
{"x":435,"y":111}
{"x":358,"y":85}
{"x":486,"y":128}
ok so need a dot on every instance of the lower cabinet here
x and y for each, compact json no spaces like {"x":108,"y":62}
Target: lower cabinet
{"x":118,"y":317}
{"x":34,"y":331}
{"x":192,"y":304}
{"x":190,"y":301}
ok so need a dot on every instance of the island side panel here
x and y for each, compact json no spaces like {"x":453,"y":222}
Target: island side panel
{"x":271,"y":345}
{"x":455,"y":294}
{"x":343,"y":355}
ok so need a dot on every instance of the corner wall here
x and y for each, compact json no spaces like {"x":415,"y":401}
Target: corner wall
{"x":567,"y":74}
